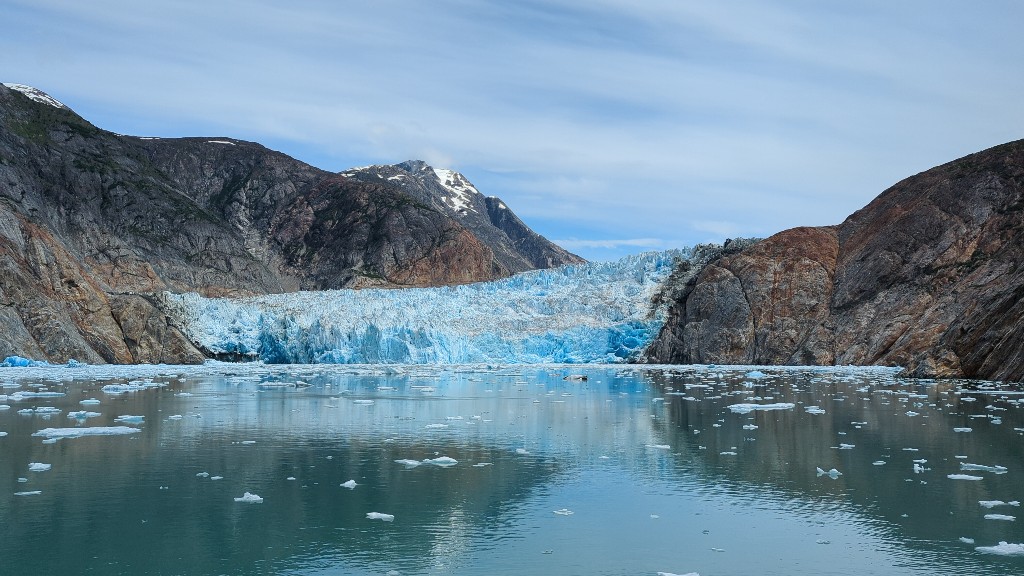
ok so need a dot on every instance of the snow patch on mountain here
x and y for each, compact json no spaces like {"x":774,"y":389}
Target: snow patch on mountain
{"x":36,"y":94}
{"x":462,"y":191}
{"x":595,"y":312}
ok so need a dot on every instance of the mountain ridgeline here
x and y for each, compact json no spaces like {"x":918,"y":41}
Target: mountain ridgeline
{"x":103,"y":237}
{"x":94,"y":224}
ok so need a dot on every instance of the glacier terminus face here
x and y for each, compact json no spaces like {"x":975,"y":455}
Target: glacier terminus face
{"x":595,"y":312}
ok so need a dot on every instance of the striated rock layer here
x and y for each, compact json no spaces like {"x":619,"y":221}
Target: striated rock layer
{"x":92,"y":223}
{"x":927,"y":276}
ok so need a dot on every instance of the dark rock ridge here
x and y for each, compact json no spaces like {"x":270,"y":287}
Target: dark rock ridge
{"x":93,"y":224}
{"x":927,"y":276}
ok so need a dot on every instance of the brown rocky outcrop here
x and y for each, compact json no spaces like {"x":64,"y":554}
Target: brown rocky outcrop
{"x":927,"y":276}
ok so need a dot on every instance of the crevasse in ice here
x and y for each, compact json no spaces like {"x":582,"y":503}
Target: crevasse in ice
{"x":595,"y":312}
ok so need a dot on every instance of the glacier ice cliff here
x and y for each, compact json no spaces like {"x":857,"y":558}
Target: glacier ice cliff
{"x":595,"y":312}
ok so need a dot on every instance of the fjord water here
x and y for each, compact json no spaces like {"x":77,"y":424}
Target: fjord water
{"x":635,"y":470}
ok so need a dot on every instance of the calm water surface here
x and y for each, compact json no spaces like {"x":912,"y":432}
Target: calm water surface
{"x":635,"y":470}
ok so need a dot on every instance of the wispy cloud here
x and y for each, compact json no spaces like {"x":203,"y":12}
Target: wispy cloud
{"x":578,"y":244}
{"x":618,"y":119}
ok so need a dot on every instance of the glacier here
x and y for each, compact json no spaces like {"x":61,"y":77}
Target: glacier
{"x":599,"y":312}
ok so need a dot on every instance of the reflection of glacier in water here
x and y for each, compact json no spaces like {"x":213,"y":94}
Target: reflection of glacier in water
{"x":597,"y":312}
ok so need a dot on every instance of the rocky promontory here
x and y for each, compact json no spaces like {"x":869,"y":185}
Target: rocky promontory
{"x":927,"y":276}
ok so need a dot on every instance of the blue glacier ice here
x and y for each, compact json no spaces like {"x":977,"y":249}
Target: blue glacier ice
{"x":595,"y":312}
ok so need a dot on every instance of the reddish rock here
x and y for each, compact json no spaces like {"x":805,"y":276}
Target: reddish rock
{"x":927,"y":276}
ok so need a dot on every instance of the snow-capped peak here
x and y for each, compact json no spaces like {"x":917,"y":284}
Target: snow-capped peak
{"x":36,"y":94}
{"x":462,"y":191}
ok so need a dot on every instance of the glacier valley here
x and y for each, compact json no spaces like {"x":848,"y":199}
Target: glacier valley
{"x":595,"y":312}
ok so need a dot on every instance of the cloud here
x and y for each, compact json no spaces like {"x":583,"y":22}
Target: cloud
{"x":662,"y":120}
{"x":606,"y":244}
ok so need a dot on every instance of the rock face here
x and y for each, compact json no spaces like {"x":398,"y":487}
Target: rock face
{"x":927,"y":276}
{"x":92,"y":223}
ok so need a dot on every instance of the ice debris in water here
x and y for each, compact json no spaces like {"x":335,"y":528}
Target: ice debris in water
{"x":2,"y":434}
{"x":77,"y":432}
{"x":594,"y":312}
{"x":1000,"y":517}
{"x":351,"y":484}
{"x":674,"y":574}
{"x":363,"y":402}
{"x":130,"y":387}
{"x":747,"y":408}
{"x":38,"y":467}
{"x":380,"y":516}
{"x":564,"y":512}
{"x":522,"y":451}
{"x":250,"y":498}
{"x":1003,"y":549}
{"x":833,"y":473}
{"x":659,"y":446}
{"x":966,"y":540}
{"x":963,"y":477}
{"x":29,"y":493}
{"x":409,"y":462}
{"x":89,"y":402}
{"x":994,"y":503}
{"x":83,"y":414}
{"x":961,"y":429}
{"x":130,"y":419}
{"x":983,"y":468}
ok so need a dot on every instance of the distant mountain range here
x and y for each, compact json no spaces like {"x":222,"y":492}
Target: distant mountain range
{"x":92,"y":223}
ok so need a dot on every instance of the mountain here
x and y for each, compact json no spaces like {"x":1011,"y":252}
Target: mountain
{"x":93,"y":224}
{"x":928,"y":276}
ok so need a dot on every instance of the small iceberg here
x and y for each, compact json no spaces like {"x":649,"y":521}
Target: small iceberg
{"x":38,"y":467}
{"x":83,"y":415}
{"x":748,"y":408}
{"x":962,"y":429}
{"x":351,"y":484}
{"x":833,"y":473}
{"x":442,"y":461}
{"x":250,"y":498}
{"x":963,"y":477}
{"x":1003,"y":517}
{"x":89,"y":402}
{"x":564,"y":512}
{"x":994,"y":503}
{"x":1003,"y":549}
{"x":51,"y":433}
{"x":983,"y":468}
{"x":29,"y":493}
{"x":127,"y":419}
{"x":380,"y":516}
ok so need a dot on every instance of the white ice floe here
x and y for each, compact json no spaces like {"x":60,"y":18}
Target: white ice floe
{"x":659,"y":446}
{"x":351,"y":484}
{"x":833,"y":473}
{"x":363,"y":402}
{"x":522,"y":451}
{"x":83,"y":414}
{"x":409,"y":462}
{"x":216,"y":477}
{"x":994,"y":503}
{"x":755,"y":374}
{"x":2,"y":434}
{"x":202,"y":475}
{"x":674,"y":574}
{"x":29,"y":493}
{"x":89,"y":402}
{"x":1003,"y":549}
{"x":967,"y":540}
{"x":380,"y":516}
{"x":963,"y":477}
{"x":435,"y":426}
{"x":962,"y":429}
{"x":814,"y":410}
{"x":92,"y":431}
{"x":482,"y":464}
{"x":1003,"y":517}
{"x":564,"y":512}
{"x":983,"y":468}
{"x":39,"y":467}
{"x":442,"y":461}
{"x":847,"y":446}
{"x":879,"y":463}
{"x":750,"y":426}
{"x":127,"y":419}
{"x":747,"y":408}
{"x":250,"y":498}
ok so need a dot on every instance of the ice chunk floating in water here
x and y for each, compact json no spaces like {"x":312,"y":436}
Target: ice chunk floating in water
{"x":597,"y":312}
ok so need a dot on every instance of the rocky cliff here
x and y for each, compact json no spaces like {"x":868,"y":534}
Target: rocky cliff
{"x":927,"y":276}
{"x":93,"y":224}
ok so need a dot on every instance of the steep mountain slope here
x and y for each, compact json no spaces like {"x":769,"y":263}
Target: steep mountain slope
{"x":927,"y":276}
{"x":93,"y":222}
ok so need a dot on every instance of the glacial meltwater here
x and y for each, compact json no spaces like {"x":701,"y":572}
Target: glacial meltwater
{"x":557,"y":469}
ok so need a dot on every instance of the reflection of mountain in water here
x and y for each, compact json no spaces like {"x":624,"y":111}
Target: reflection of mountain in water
{"x":876,"y":415}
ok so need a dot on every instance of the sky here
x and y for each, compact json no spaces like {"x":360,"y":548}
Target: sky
{"x":610,"y":126}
